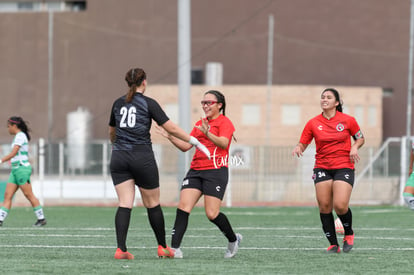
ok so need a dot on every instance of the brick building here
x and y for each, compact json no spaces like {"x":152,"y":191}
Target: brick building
{"x":322,"y":42}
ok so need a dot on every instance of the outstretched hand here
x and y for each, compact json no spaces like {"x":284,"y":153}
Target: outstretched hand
{"x":297,"y":151}
{"x":204,"y":127}
{"x":161,"y":131}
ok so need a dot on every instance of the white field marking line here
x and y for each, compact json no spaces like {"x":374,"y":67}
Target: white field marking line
{"x":56,"y":235}
{"x":204,"y":247}
{"x":58,"y":229}
{"x":206,"y":236}
{"x":284,"y":228}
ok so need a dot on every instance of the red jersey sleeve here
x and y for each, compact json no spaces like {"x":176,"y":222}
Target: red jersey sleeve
{"x":353,"y":126}
{"x":307,"y":133}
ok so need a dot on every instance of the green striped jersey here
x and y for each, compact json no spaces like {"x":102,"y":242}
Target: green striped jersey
{"x":22,"y":156}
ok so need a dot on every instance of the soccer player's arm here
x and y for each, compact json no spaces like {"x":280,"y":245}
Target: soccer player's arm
{"x":172,"y":129}
{"x":112,"y":134}
{"x":11,"y":154}
{"x":359,"y":140}
{"x":167,"y":128}
{"x":112,"y":124}
{"x":305,"y":140}
{"x":222,"y":139}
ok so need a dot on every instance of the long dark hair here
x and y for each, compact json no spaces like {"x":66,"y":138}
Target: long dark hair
{"x":337,"y":98}
{"x":134,"y":78}
{"x":21,"y":124}
{"x":220,"y":99}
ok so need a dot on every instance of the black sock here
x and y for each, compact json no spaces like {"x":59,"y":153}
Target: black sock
{"x":328,"y":226}
{"x":224,"y":225}
{"x":346,"y":220}
{"x":122,"y":218}
{"x":156,"y":219}
{"x":180,"y":226}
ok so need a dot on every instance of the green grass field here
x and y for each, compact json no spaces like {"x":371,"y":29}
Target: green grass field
{"x":277,"y":240}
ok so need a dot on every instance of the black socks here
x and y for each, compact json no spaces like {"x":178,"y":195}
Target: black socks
{"x":346,"y":220}
{"x":328,"y":226}
{"x":122,"y":218}
{"x":224,"y":225}
{"x":156,"y":219}
{"x":180,"y":226}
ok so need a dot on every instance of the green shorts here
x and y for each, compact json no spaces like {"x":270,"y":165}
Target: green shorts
{"x":410,"y":181}
{"x":20,"y":175}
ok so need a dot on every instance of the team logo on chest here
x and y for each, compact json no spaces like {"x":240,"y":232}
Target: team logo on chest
{"x":340,"y":127}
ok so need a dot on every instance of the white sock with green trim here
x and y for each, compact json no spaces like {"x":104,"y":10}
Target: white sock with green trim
{"x":38,"y":210}
{"x":3,"y":213}
{"x":409,"y":200}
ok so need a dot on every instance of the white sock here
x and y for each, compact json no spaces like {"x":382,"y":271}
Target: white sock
{"x":409,"y":201}
{"x":3,"y":214}
{"x":39,"y":212}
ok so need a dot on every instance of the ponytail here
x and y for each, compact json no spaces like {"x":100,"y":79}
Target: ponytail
{"x":21,"y":124}
{"x":134,"y":78}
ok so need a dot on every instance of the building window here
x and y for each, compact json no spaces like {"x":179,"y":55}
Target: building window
{"x":172,"y":112}
{"x":42,"y":6}
{"x":372,"y":116}
{"x":251,"y":114}
{"x":359,"y":114}
{"x":291,"y":114}
{"x":387,"y":92}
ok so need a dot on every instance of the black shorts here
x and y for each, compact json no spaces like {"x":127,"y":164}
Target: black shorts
{"x":138,"y":165}
{"x":212,"y":182}
{"x":344,"y":174}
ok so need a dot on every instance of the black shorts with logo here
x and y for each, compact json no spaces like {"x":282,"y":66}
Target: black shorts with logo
{"x":344,"y":174}
{"x":138,"y":164}
{"x":212,"y":182}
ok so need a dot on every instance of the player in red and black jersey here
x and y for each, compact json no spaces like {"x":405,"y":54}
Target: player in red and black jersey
{"x":133,"y":162}
{"x":207,"y":177}
{"x":333,"y":173}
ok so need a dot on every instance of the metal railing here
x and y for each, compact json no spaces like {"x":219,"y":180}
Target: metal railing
{"x":258,"y":174}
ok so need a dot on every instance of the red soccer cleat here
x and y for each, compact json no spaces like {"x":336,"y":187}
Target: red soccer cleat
{"x":348,"y":243}
{"x":333,"y":249}
{"x":166,"y":252}
{"x":121,"y":255}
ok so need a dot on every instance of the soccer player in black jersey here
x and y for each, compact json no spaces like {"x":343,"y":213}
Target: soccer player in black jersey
{"x":133,"y":163}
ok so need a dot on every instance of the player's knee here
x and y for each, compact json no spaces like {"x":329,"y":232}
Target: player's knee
{"x":212,"y":214}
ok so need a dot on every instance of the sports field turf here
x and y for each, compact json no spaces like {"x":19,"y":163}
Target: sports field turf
{"x":277,"y":240}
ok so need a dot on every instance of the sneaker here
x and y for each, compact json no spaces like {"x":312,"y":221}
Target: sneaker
{"x":166,"y":252}
{"x":348,"y":242}
{"x":41,"y":222}
{"x":178,"y":254}
{"x":121,"y":255}
{"x":333,"y":249}
{"x":232,"y":247}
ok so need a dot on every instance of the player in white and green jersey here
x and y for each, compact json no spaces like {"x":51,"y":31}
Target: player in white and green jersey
{"x":408,"y":192}
{"x":21,"y":170}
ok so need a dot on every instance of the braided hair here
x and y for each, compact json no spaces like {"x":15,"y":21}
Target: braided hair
{"x":134,"y":78}
{"x":21,"y":124}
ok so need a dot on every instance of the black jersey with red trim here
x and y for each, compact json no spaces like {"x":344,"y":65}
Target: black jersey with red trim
{"x":133,"y":120}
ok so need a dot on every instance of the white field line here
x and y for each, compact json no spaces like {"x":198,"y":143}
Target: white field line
{"x":212,"y":228}
{"x":201,"y":247}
